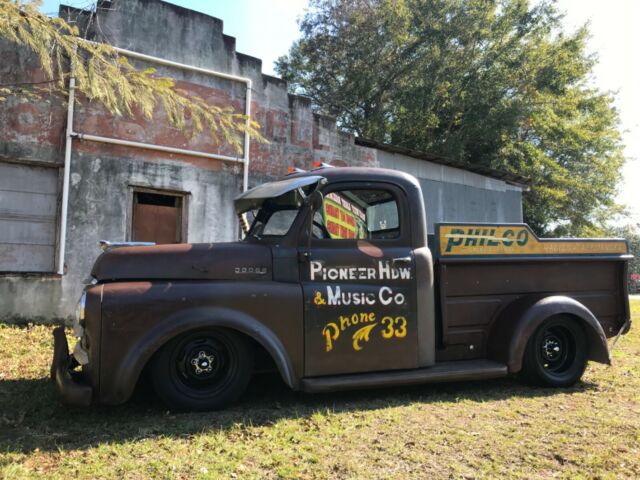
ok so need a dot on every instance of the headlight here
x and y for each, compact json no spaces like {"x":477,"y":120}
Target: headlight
{"x":78,"y":324}
{"x":79,"y":352}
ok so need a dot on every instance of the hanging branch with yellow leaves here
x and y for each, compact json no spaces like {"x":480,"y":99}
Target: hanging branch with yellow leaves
{"x":102,"y":75}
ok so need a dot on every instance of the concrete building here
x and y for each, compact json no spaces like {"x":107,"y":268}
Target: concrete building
{"x":130,"y":178}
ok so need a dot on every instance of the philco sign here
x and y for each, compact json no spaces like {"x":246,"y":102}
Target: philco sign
{"x":483,"y":240}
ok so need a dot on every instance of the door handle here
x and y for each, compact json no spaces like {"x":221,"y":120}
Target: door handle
{"x":304,"y":257}
{"x":401,"y":260}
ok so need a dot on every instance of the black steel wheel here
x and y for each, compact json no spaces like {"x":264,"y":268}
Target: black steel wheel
{"x":202,"y":370}
{"x":556,"y":354}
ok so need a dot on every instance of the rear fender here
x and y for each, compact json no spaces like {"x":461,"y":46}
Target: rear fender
{"x":133,"y":362}
{"x":515,"y":325}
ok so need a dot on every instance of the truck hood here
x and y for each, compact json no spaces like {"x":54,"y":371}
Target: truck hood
{"x":186,"y":261}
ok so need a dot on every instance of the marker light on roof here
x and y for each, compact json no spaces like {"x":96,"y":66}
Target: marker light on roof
{"x":318,"y":165}
{"x":293,"y":170}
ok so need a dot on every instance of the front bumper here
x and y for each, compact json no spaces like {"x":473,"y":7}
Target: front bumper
{"x":68,"y":385}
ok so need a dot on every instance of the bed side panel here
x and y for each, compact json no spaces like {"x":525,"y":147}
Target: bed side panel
{"x":473,"y":293}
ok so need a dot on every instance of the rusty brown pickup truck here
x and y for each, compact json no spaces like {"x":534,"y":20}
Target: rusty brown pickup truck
{"x":336,"y":285}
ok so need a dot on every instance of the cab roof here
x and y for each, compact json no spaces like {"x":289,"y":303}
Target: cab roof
{"x":256,"y":196}
{"x":345,"y":174}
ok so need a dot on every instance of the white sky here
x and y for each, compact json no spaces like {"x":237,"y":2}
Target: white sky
{"x":615,"y":38}
{"x":266,"y":29}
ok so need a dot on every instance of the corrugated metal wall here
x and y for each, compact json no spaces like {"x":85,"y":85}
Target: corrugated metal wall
{"x":455,"y":195}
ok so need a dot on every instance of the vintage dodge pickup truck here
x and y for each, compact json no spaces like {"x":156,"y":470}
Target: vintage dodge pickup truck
{"x":337,"y":285}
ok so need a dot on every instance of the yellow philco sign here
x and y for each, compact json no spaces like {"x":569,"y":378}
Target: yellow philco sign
{"x":517,"y":240}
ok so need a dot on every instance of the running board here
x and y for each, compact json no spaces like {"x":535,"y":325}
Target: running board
{"x":440,"y":372}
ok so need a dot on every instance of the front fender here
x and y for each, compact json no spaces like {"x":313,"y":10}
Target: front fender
{"x":515,"y":325}
{"x":140,"y":352}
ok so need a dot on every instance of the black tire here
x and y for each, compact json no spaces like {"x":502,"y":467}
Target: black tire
{"x":202,"y":370}
{"x":556,"y":354}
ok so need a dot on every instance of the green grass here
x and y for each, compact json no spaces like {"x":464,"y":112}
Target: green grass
{"x":490,"y":429}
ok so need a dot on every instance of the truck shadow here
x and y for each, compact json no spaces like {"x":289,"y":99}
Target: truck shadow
{"x":31,"y":416}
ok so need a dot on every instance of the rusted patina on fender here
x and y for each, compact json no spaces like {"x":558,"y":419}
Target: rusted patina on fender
{"x":140,"y":317}
{"x":515,"y":325}
{"x":141,"y":352}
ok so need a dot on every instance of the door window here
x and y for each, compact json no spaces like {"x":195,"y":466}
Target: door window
{"x":357,"y":215}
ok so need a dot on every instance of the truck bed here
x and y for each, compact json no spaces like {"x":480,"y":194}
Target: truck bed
{"x":475,"y":287}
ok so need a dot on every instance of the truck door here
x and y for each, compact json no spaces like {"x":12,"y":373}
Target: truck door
{"x":358,"y":278}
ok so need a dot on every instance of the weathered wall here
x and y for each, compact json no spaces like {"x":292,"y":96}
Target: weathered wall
{"x":295,"y":134}
{"x":103,"y":176}
{"x":31,"y":135}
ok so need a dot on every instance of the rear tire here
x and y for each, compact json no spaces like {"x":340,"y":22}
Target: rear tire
{"x":556,"y":354}
{"x":202,"y":370}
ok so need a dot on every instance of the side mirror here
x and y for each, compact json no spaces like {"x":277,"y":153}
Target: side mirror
{"x":315,"y":201}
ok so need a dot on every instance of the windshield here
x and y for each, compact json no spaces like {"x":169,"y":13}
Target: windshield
{"x":266,"y":222}
{"x":272,"y":208}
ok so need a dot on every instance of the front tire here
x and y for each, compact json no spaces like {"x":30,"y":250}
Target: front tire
{"x":202,"y":370}
{"x":556,"y":354}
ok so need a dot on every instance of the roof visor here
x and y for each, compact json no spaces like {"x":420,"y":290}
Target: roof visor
{"x":254,"y":198}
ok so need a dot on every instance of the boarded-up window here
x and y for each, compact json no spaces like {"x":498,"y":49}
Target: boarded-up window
{"x":28,"y":211}
{"x":157,"y":218}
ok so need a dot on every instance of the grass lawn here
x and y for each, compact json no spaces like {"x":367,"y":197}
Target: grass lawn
{"x":464,"y":430}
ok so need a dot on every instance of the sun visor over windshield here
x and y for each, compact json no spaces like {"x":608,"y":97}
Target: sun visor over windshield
{"x":255,"y":197}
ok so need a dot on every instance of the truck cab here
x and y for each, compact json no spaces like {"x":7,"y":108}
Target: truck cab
{"x":335,"y":283}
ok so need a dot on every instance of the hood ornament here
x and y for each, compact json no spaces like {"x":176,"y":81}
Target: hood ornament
{"x":107,"y":246}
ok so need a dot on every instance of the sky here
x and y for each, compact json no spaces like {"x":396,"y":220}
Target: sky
{"x":615,"y":38}
{"x":266,"y":29}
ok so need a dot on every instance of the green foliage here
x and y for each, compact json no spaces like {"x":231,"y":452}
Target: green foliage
{"x":495,"y":83}
{"x":631,"y":233}
{"x":104,"y":76}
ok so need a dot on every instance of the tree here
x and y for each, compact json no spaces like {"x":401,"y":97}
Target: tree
{"x":495,"y":83}
{"x":631,"y":233}
{"x":102,"y":75}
